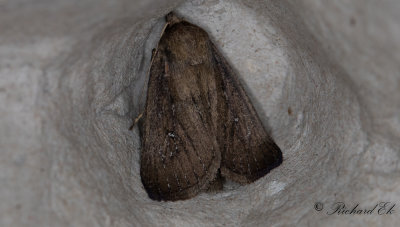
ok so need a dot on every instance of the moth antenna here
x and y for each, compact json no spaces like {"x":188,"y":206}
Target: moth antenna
{"x":137,"y":119}
{"x":153,"y":53}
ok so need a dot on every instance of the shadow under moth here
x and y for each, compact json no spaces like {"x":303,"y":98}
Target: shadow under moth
{"x":198,"y":124}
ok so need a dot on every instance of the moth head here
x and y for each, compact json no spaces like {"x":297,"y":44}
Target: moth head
{"x":187,"y":43}
{"x":171,"y":18}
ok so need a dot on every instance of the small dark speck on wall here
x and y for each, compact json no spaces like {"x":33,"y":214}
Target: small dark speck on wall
{"x":352,"y":21}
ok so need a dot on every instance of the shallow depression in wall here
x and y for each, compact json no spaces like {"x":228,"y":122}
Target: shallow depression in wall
{"x":303,"y":99}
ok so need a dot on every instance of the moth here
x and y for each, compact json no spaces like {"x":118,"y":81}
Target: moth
{"x":198,"y":121}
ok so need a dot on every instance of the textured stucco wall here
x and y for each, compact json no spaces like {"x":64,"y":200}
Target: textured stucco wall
{"x":323,"y":75}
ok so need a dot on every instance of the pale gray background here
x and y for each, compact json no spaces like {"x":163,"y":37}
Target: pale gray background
{"x":73,"y":75}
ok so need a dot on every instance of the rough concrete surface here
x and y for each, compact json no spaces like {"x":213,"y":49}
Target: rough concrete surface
{"x":323,"y":76}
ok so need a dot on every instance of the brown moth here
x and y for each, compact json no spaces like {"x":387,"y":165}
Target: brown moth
{"x":198,"y":120}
